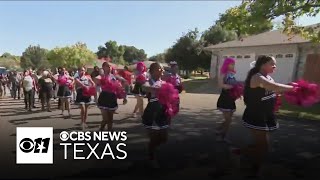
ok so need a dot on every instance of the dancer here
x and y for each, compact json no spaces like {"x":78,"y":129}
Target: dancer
{"x":107,"y":101}
{"x":83,"y":83}
{"x":154,"y":117}
{"x":226,"y":104}
{"x":94,"y":74}
{"x":141,"y":78}
{"x":259,"y":117}
{"x":64,"y":93}
{"x":46,"y":90}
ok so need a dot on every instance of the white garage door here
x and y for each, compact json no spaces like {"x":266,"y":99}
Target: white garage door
{"x":284,"y":70}
{"x":242,"y":68}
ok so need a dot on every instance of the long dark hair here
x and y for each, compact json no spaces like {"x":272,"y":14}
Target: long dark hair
{"x":260,"y":61}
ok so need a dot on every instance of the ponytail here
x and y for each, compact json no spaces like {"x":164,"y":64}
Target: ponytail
{"x":252,"y":72}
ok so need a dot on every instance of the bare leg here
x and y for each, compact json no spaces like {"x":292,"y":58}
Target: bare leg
{"x":104,"y":121}
{"x":110,"y":120}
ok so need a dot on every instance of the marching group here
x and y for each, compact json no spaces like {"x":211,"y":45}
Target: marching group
{"x":259,"y":97}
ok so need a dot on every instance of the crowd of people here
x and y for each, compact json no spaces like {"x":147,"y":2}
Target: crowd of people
{"x":259,"y":97}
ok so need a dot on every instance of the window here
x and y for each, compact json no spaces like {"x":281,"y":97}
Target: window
{"x":239,"y":57}
{"x":232,"y":56}
{"x":247,"y":56}
{"x":289,"y":55}
{"x":279,"y":56}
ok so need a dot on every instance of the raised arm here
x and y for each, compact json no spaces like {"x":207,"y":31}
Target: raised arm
{"x":263,"y":82}
{"x":221,"y":83}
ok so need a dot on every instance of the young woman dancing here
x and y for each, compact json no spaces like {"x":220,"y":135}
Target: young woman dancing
{"x":64,"y":93}
{"x":226,"y":104}
{"x":259,"y":117}
{"x":154,"y":117}
{"x":141,"y":78}
{"x":107,"y":101}
{"x":84,"y":83}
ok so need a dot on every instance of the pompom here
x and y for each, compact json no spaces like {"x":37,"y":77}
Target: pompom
{"x":141,"y":67}
{"x":169,"y":97}
{"x":113,"y":86}
{"x":278,"y":103}
{"x":141,"y":78}
{"x":89,"y":91}
{"x":62,"y":80}
{"x":304,"y":94}
{"x":237,"y":91}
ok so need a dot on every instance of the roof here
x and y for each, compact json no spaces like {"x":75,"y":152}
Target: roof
{"x":263,"y":39}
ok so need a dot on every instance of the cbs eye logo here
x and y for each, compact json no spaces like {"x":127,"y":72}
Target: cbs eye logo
{"x":38,"y":145}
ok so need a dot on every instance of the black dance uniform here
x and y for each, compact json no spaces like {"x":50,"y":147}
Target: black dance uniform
{"x":107,"y":100}
{"x":137,"y":90}
{"x":81,"y":99}
{"x":64,"y":91}
{"x":259,"y":112}
{"x":154,"y":116}
{"x":225,"y":102}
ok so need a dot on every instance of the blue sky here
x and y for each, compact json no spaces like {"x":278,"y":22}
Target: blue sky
{"x":150,"y":25}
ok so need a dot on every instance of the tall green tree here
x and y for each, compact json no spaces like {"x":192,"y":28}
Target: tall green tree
{"x":186,"y":51}
{"x":10,"y":61}
{"x":112,"y":50}
{"x":217,"y":34}
{"x":290,"y":11}
{"x":71,"y":56}
{"x":240,"y":20}
{"x":132,"y":53}
{"x":34,"y":57}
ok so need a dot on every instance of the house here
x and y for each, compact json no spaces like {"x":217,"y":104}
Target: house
{"x":290,"y":53}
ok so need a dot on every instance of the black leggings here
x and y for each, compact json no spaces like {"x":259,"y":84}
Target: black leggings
{"x":28,"y":98}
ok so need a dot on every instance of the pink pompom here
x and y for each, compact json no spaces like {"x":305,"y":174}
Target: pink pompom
{"x":141,"y":67}
{"x":62,"y":80}
{"x":113,"y":86}
{"x":89,"y":91}
{"x":141,"y":78}
{"x":304,"y":94}
{"x":237,"y":91}
{"x":169,"y":97}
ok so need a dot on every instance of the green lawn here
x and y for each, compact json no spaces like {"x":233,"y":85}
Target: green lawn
{"x":192,"y":84}
{"x":312,"y":113}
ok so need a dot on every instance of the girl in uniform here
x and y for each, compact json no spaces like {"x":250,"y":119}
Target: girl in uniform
{"x":259,"y":117}
{"x":107,"y":101}
{"x":154,"y":117}
{"x":141,"y":78}
{"x":226,"y":104}
{"x":64,"y":93}
{"x":83,"y":82}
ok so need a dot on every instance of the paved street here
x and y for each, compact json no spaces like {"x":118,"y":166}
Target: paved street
{"x":191,"y":151}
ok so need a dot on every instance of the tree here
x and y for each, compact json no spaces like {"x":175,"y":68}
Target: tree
{"x":132,"y":53}
{"x":185,"y":51}
{"x":239,"y":19}
{"x":34,"y":57}
{"x":111,"y":50}
{"x":9,"y":61}
{"x":217,"y":34}
{"x":290,"y":10}
{"x":71,"y":56}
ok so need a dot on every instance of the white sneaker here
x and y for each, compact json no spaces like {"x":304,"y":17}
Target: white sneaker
{"x":84,"y":126}
{"x":134,"y":115}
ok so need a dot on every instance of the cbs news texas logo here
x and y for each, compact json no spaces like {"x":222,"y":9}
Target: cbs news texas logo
{"x":34,"y":145}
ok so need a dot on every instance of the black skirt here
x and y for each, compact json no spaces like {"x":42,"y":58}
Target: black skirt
{"x":154,"y":116}
{"x":107,"y":101}
{"x":260,"y":119}
{"x":64,"y":92}
{"x":81,"y":99}
{"x":137,"y":90}
{"x":226,"y":103}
